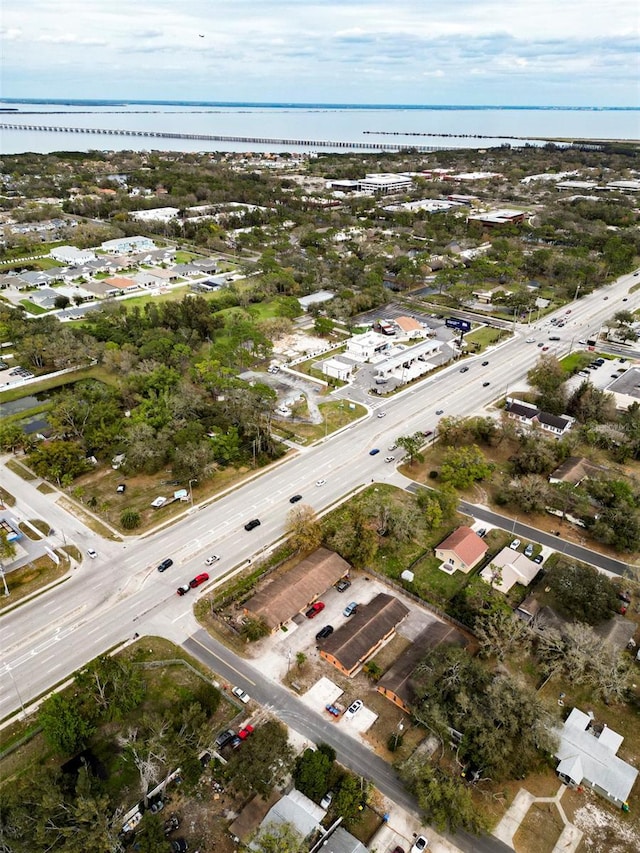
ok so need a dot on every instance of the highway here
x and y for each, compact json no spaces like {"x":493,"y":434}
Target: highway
{"x":105,"y":601}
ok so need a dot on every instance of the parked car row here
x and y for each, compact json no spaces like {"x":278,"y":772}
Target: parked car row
{"x":229,"y":738}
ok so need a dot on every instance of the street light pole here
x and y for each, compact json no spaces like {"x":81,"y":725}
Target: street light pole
{"x":8,"y":668}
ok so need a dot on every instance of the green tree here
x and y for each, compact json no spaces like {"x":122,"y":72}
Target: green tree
{"x":548,"y":378}
{"x":65,"y":723}
{"x":444,"y":801}
{"x":130,"y":519}
{"x":582,"y":592}
{"x":349,"y":799}
{"x":263,"y":762}
{"x":303,"y":529}
{"x":61,"y":302}
{"x":278,"y":838}
{"x":313,"y":770}
{"x":59,"y":461}
{"x":323,"y":326}
{"x":411,"y":444}
{"x":461,"y":467}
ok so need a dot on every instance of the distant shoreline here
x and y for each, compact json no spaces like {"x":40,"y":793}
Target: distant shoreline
{"x":268,"y":105}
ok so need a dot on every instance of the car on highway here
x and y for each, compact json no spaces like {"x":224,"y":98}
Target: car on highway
{"x":251,"y":525}
{"x":240,"y":694}
{"x":316,"y":607}
{"x":295,"y":498}
{"x":439,"y":411}
{"x":325,"y":632}
{"x":91,"y":553}
{"x":320,"y":482}
{"x":421,"y":843}
{"x":515,"y":545}
{"x":392,"y":446}
{"x":374,"y":451}
{"x":485,"y":384}
{"x":624,"y":299}
{"x":381,"y":414}
{"x":184,"y":589}
{"x":389,"y":458}
{"x":353,"y":709}
{"x":485,"y":363}
{"x":199,"y":579}
{"x":544,"y":349}
{"x":165,"y":564}
{"x":350,"y":609}
{"x":530,"y":341}
{"x":541,"y":344}
{"x":427,"y":433}
{"x":464,"y":369}
{"x":343,"y":584}
{"x":211,"y":560}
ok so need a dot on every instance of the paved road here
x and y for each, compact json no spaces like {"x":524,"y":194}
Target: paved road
{"x":295,"y":714}
{"x":106,"y":600}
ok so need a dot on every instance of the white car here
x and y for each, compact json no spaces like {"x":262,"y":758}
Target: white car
{"x":381,"y":414}
{"x":515,"y":545}
{"x":353,"y":709}
{"x":239,"y":693}
{"x":325,"y":802}
{"x":93,"y":554}
{"x":320,"y":482}
{"x":421,"y":843}
{"x":531,"y":340}
{"x":389,"y":458}
{"x":211,"y":560}
{"x":392,"y":446}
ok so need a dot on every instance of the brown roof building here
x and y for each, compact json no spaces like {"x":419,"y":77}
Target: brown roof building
{"x":461,"y":551}
{"x":395,"y":684}
{"x":355,"y":641}
{"x":280,"y":599}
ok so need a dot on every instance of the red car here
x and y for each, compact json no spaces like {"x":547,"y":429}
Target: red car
{"x":244,"y":733}
{"x":315,"y":608}
{"x":198,"y":580}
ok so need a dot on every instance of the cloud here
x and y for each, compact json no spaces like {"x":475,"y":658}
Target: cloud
{"x":295,"y":48}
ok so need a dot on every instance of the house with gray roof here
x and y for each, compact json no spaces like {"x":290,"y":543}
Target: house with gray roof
{"x":586,"y":755}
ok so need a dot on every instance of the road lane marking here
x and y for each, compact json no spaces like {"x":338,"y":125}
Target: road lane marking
{"x":228,"y":665}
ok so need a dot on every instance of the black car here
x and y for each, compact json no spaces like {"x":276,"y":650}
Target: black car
{"x":485,"y":363}
{"x":224,"y":738}
{"x":485,"y":384}
{"x":165,"y":564}
{"x":295,"y":498}
{"x":464,"y":369}
{"x":325,"y":632}
{"x":250,"y":525}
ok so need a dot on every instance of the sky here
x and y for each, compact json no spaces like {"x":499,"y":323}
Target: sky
{"x":504,"y":52}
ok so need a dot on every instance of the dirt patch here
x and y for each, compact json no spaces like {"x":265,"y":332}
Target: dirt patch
{"x":34,"y":576}
{"x":540,"y":830}
{"x":606,"y":829}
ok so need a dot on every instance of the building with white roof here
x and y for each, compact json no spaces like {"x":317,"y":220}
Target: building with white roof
{"x":122,"y":245}
{"x":508,"y":568}
{"x":587,"y":756}
{"x":159,"y":214}
{"x":315,"y":298}
{"x":72,"y":256}
{"x":367,"y":346}
{"x":384,"y":183}
{"x":503,"y":216}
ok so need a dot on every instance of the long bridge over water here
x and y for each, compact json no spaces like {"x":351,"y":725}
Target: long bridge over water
{"x":205,"y":137}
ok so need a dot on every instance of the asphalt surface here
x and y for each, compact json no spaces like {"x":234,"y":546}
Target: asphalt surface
{"x":105,"y":600}
{"x":295,"y":714}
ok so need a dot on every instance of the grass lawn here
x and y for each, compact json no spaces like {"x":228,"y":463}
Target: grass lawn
{"x":485,"y":336}
{"x":540,"y":830}
{"x":434,"y":585}
{"x":31,"y":308}
{"x":336,"y":414}
{"x":575,"y":361}
{"x":33,"y":576}
{"x":20,"y":470}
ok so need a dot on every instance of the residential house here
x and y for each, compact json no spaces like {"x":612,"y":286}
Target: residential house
{"x":410,"y":327}
{"x":120,"y":285}
{"x":531,"y":416}
{"x":122,"y":245}
{"x":281,"y":598}
{"x":354,"y":642}
{"x":587,"y":756}
{"x":508,"y":568}
{"x":461,"y":551}
{"x":574,"y":470}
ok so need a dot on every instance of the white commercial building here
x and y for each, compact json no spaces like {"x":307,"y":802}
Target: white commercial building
{"x":123,"y":245}
{"x":337,"y":369}
{"x":72,"y":256}
{"x":384,"y":183}
{"x":365,"y":347}
{"x":315,"y":299}
{"x":408,"y":363}
{"x":159,"y":214}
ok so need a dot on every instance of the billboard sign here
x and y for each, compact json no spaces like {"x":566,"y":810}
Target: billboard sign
{"x":455,"y":323}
